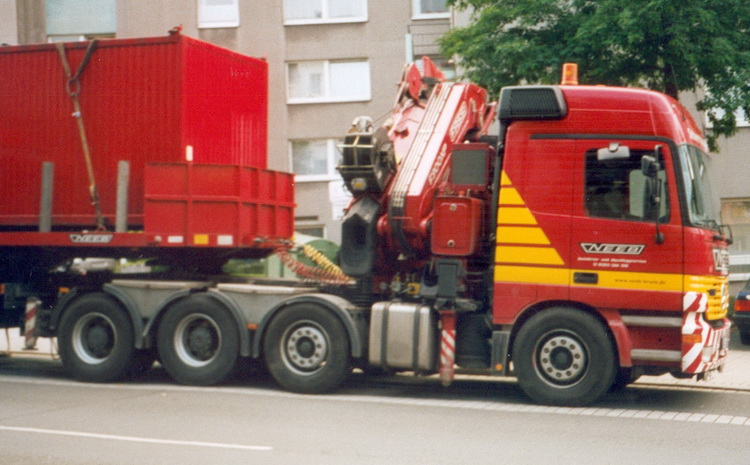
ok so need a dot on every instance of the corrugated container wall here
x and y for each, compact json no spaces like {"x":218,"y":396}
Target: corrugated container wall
{"x":142,"y":100}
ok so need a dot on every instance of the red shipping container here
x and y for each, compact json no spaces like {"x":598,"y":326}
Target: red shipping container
{"x":142,"y":100}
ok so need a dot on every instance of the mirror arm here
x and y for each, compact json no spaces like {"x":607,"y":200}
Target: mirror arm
{"x":659,"y":239}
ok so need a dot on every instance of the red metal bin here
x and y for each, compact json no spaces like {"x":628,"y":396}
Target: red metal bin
{"x":155,"y":100}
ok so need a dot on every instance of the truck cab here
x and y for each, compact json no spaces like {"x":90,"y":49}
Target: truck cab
{"x":605,"y":207}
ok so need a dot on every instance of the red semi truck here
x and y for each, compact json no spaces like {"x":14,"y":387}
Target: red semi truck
{"x":577,"y":249}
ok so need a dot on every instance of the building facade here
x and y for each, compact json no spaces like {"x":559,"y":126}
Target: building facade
{"x":329,"y":62}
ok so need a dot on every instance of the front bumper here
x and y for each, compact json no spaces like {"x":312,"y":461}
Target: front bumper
{"x":705,"y":348}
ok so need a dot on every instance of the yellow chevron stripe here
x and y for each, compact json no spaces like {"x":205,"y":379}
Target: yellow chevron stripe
{"x":504,"y":179}
{"x":532,"y":275}
{"x":515,"y":215}
{"x":530,"y":255}
{"x":510,"y":196}
{"x":521,"y":235}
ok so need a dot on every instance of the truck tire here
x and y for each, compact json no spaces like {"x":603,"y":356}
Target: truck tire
{"x":96,"y":339}
{"x":563,"y":356}
{"x":306,"y":348}
{"x":198,"y":342}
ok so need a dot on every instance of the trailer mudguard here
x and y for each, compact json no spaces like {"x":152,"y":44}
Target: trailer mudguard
{"x":352,"y":318}
{"x":238,"y":318}
{"x":222,"y":299}
{"x":122,"y":298}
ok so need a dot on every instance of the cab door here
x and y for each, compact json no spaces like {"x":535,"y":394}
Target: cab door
{"x":620,"y":257}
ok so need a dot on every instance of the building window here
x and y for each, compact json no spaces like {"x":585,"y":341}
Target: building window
{"x":328,"y":81}
{"x":315,"y":230}
{"x":80,"y":19}
{"x":314,"y":159}
{"x":218,"y":13}
{"x":736,"y":214}
{"x":740,"y":118}
{"x":324,"y":11}
{"x":428,"y":9}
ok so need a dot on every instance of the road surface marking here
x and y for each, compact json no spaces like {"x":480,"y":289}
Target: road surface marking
{"x":499,"y":406}
{"x":110,"y":437}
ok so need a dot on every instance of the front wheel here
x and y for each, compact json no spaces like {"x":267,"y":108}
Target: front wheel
{"x":96,"y":339}
{"x":307,"y":349}
{"x":198,"y":341}
{"x":564,"y":356}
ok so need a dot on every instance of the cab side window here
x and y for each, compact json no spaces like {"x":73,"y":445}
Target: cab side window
{"x":617,"y":189}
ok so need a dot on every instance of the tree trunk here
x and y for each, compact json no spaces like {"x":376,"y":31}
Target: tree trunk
{"x":670,"y":83}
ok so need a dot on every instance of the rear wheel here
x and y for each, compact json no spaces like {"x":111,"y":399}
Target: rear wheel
{"x":198,"y":341}
{"x":307,"y":349}
{"x":564,"y":356}
{"x":96,"y":339}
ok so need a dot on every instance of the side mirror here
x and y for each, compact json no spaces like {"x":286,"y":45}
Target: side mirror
{"x":650,"y":167}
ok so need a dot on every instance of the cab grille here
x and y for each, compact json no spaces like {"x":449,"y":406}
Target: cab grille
{"x":716,"y":289}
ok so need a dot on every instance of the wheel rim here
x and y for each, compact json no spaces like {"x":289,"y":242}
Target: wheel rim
{"x":197,"y":340}
{"x":561,"y":359}
{"x":94,"y":338}
{"x":304,"y":347}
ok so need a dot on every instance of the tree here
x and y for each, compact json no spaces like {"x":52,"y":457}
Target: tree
{"x":666,"y":45}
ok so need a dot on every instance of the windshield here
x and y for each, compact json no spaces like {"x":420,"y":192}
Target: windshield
{"x":698,"y":192}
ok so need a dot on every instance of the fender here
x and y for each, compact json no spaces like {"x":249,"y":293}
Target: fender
{"x":236,"y":312}
{"x":112,"y":291}
{"x":610,"y":318}
{"x":225,"y":302}
{"x":353,"y":320}
{"x":161,"y":308}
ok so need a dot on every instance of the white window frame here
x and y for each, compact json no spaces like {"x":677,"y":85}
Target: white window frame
{"x":327,"y":96}
{"x":325,"y":19}
{"x":332,"y":159}
{"x":416,"y":12}
{"x":217,"y":16}
{"x":738,"y":260}
{"x":65,"y":38}
{"x":302,"y":226}
{"x":739,"y":116}
{"x":72,"y":18}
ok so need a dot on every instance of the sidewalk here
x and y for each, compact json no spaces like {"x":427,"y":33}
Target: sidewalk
{"x":12,"y":341}
{"x":736,"y":374}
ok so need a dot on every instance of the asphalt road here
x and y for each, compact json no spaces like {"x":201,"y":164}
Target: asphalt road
{"x":48,"y":419}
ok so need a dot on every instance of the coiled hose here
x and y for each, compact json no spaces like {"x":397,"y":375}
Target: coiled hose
{"x":327,"y":273}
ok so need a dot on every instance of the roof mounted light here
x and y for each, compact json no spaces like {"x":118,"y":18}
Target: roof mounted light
{"x":569,"y":74}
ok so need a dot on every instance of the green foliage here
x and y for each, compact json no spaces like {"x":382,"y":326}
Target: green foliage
{"x":666,"y":45}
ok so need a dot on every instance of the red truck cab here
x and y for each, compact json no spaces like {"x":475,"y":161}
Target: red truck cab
{"x":605,"y":206}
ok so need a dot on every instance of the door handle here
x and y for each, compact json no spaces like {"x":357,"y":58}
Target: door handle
{"x":585,"y":278}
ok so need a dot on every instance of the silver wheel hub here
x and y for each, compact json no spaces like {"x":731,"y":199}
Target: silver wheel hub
{"x":305,"y":347}
{"x":94,"y":338}
{"x":197,"y":340}
{"x":561,"y":359}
